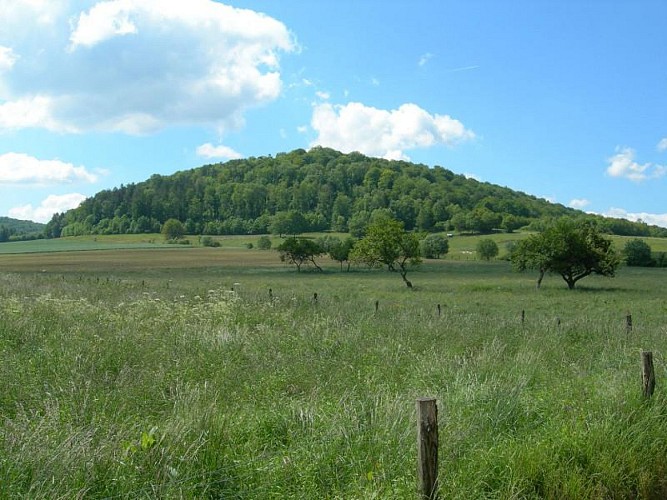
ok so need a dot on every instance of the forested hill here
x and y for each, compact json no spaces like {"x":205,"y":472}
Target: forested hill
{"x":15,"y":229}
{"x":323,"y":189}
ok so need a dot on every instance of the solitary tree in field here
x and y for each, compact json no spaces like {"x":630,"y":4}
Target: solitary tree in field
{"x":433,"y":246}
{"x":173,"y":229}
{"x":487,"y":249}
{"x":299,"y":251}
{"x":264,"y":243}
{"x":571,"y":250}
{"x":638,"y":253}
{"x":387,"y":244}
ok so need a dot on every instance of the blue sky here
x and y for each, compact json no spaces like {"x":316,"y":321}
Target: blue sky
{"x":564,"y":100}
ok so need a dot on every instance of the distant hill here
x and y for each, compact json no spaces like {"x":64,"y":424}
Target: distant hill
{"x":328,"y":190}
{"x":14,"y":229}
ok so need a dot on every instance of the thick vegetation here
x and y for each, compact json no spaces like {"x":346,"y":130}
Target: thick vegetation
{"x":314,"y":190}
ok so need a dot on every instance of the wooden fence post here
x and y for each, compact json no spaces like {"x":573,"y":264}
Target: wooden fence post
{"x":628,"y":323}
{"x":427,"y":447}
{"x":377,"y":306}
{"x":439,"y":311}
{"x":648,"y":374}
{"x":523,"y":316}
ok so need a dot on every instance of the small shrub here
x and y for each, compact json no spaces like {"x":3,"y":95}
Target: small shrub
{"x":264,"y":243}
{"x":208,"y":241}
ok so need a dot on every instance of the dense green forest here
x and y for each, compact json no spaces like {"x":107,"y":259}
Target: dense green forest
{"x":15,"y":230}
{"x":316,"y":190}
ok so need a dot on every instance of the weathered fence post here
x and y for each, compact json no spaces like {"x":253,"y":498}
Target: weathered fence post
{"x":377,"y":306}
{"x":439,"y":311}
{"x":427,"y":447}
{"x":628,"y":323}
{"x":270,"y":294}
{"x":648,"y":374}
{"x":315,"y":298}
{"x":523,"y":316}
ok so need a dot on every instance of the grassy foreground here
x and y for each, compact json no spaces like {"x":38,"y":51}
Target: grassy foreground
{"x":121,"y":381}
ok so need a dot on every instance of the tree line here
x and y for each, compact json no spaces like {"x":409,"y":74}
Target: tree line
{"x":19,"y":230}
{"x":316,"y":190}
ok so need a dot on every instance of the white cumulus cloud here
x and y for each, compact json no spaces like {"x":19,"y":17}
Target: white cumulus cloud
{"x":662,"y":145}
{"x":135,"y":66}
{"x":208,"y":150}
{"x":579,"y":203}
{"x":623,"y":164}
{"x":19,"y":168}
{"x":383,"y":133}
{"x":50,"y":205}
{"x":652,"y":219}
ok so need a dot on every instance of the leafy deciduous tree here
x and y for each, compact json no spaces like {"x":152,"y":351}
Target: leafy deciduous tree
{"x":638,"y":253}
{"x":340,"y":251}
{"x":387,"y":243}
{"x":487,"y":249}
{"x":571,"y":250}
{"x":289,"y":222}
{"x":433,"y":246}
{"x":173,"y":229}
{"x":299,"y":251}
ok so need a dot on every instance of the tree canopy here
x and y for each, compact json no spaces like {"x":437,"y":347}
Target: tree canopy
{"x":14,"y":229}
{"x":172,"y":229}
{"x":433,"y":246}
{"x":299,"y":251}
{"x":328,"y":189}
{"x":638,"y":253}
{"x":487,"y":249}
{"x":387,"y":243}
{"x":567,"y":248}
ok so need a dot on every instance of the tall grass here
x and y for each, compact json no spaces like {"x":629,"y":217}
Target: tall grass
{"x":168,"y":384}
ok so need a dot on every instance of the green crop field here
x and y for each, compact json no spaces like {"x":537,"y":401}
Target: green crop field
{"x":173,"y":372}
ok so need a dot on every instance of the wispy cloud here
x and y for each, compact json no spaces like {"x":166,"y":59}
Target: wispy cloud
{"x":463,"y":68}
{"x":7,"y":58}
{"x":662,"y":145}
{"x":424,"y":59}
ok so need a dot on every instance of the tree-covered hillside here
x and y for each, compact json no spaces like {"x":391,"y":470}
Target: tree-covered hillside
{"x":322,"y":189}
{"x":14,"y":229}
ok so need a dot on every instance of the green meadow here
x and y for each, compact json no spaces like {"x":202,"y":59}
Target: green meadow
{"x":135,"y":369}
